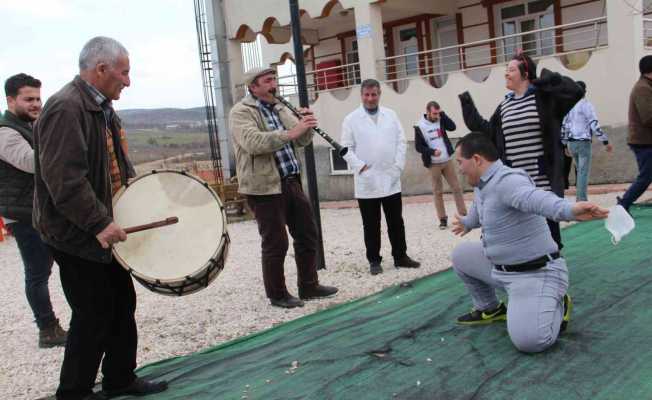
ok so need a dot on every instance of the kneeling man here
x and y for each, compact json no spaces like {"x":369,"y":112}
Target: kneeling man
{"x":517,"y":252}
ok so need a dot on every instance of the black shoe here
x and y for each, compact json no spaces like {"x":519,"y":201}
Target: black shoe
{"x":139,"y":387}
{"x":477,"y":317}
{"x":406,"y":262}
{"x":288,"y":301}
{"x":375,"y":268}
{"x":568,"y":308}
{"x":317,"y":292}
{"x":92,"y":396}
{"x":443,"y":223}
{"x":96,"y":396}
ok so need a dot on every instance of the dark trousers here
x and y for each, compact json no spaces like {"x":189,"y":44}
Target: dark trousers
{"x":393,"y":209}
{"x":273,"y":213}
{"x":555,"y":231}
{"x":568,"y":162}
{"x":644,"y":178}
{"x":103,"y":303}
{"x":38,"y":266}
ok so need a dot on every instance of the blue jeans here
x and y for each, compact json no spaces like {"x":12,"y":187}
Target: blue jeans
{"x":644,"y":178}
{"x":581,"y":152}
{"x":535,"y":305}
{"x":38,"y":265}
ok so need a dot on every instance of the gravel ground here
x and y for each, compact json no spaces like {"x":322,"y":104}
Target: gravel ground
{"x":234,"y":305}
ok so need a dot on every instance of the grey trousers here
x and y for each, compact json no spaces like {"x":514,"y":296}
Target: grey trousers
{"x":535,"y":298}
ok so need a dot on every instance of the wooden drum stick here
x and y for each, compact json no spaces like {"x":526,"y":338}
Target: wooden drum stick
{"x":157,"y":224}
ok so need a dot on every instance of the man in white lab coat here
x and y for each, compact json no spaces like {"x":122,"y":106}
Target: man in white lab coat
{"x":376,"y":143}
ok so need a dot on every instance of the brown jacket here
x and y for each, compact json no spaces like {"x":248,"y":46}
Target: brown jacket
{"x":640,"y":113}
{"x":72,"y":200}
{"x":255,"y":143}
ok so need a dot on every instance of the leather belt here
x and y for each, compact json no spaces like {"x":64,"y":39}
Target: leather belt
{"x":529,"y":265}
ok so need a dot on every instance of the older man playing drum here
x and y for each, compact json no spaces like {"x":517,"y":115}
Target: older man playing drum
{"x":79,"y":165}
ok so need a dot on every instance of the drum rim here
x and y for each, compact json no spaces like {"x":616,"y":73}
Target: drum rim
{"x":224,"y":240}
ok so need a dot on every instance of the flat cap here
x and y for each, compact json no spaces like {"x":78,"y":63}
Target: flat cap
{"x":250,"y":76}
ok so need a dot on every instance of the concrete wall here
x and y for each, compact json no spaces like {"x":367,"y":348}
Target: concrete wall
{"x":617,"y":167}
{"x":415,"y":179}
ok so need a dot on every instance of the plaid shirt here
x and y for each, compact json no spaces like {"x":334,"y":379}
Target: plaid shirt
{"x":101,"y":100}
{"x":105,"y":104}
{"x":286,"y":161}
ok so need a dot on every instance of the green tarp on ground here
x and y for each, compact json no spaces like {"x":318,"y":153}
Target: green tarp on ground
{"x":402,"y":343}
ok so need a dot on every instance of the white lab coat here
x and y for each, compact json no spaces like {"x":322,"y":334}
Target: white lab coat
{"x":380,"y":146}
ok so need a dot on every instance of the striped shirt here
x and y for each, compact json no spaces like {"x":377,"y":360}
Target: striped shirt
{"x":523,"y":136}
{"x":286,"y":161}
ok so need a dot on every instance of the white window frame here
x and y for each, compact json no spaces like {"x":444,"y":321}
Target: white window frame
{"x":352,"y":73}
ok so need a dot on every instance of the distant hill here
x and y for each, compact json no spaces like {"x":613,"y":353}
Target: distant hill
{"x":165,"y":118}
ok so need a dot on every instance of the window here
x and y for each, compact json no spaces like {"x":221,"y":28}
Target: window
{"x":539,"y":6}
{"x":338,"y":165}
{"x":513,"y":11}
{"x":519,"y":19}
{"x":352,"y":71}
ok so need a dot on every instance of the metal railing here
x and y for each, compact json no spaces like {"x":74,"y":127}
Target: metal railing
{"x":435,"y":64}
{"x":554,"y":41}
{"x":336,"y":77}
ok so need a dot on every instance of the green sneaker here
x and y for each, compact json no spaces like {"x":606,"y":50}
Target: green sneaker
{"x":476,"y":317}
{"x":568,"y":307}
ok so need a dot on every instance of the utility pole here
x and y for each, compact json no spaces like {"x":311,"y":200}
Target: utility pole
{"x":309,"y":152}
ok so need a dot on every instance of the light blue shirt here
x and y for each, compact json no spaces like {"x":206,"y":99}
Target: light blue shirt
{"x":512,"y":213}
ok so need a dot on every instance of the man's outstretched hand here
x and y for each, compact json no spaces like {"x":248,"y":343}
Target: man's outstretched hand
{"x":587,"y":211}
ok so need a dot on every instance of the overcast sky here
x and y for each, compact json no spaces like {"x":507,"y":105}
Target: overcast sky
{"x":43,"y":38}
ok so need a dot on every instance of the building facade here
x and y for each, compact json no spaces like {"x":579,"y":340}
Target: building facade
{"x":435,"y":50}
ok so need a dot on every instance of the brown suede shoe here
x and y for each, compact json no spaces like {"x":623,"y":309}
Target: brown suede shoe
{"x":53,"y":335}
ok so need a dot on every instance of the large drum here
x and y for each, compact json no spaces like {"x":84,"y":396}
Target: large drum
{"x":177,"y":259}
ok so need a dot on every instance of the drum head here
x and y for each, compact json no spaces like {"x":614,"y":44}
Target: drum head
{"x":173,"y":252}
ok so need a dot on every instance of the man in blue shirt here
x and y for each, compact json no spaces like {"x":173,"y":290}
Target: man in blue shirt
{"x":517,"y":252}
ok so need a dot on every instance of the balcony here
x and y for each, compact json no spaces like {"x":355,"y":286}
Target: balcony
{"x":571,"y":43}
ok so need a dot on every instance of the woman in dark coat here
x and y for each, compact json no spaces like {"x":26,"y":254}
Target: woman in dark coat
{"x":526,"y":126}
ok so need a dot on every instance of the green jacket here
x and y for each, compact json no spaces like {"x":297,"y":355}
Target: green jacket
{"x":255,"y":143}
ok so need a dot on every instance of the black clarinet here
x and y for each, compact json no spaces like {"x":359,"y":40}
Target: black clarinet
{"x":340,"y":150}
